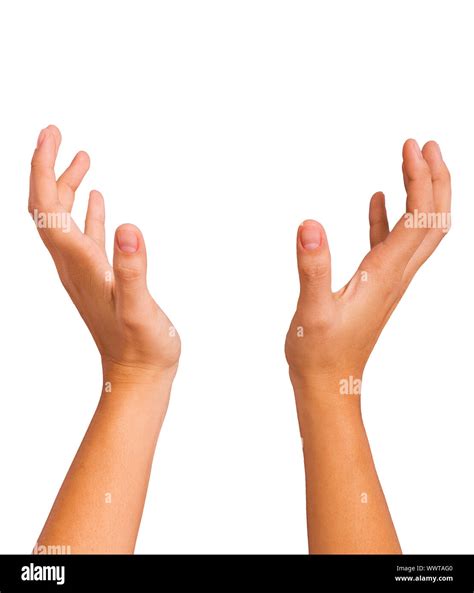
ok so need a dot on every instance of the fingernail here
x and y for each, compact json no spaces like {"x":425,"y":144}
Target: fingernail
{"x":417,"y":149}
{"x":41,"y":136}
{"x":310,"y":235}
{"x":127,"y":241}
{"x":439,"y":150}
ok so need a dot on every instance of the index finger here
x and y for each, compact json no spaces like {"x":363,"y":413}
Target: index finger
{"x":43,"y":190}
{"x":407,"y":235}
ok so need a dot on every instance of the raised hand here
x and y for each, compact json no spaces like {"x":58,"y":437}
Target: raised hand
{"x":99,"y":506}
{"x":329,"y":341}
{"x":130,"y":330}
{"x":332,"y":334}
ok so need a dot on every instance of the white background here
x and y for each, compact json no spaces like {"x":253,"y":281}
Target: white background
{"x":217,"y":127}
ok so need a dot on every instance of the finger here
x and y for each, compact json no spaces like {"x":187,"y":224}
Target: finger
{"x":418,"y":178}
{"x":130,"y":271}
{"x":57,"y":137}
{"x":72,"y":178}
{"x":43,"y":190}
{"x":95,"y":219}
{"x":378,"y":221}
{"x":54,"y":223}
{"x":441,"y":220}
{"x":314,"y":266}
{"x":409,"y":232}
{"x":440,"y":177}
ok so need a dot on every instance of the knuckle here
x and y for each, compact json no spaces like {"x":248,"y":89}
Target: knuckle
{"x":135,"y":318}
{"x":389,"y":278}
{"x":320,"y":322}
{"x":386,"y":275}
{"x":442,"y":176}
{"x":36,"y":205}
{"x":312,"y":320}
{"x":419,"y":172}
{"x":313,"y":274}
{"x":131,"y":322}
{"x":444,"y":231}
{"x":127,"y":273}
{"x":390,"y":283}
{"x":37,"y":166}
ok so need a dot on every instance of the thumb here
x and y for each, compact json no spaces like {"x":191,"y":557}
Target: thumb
{"x":314,"y":265}
{"x":130,"y":269}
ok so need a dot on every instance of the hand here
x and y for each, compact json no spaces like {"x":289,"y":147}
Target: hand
{"x":332,"y":334}
{"x":131,"y":331}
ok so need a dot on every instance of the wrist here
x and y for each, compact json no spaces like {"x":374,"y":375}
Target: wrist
{"x":326,"y":417}
{"x":134,"y":396}
{"x":135,"y":393}
{"x":325,"y":394}
{"x":146,"y":378}
{"x":136,"y":385}
{"x":327,"y":381}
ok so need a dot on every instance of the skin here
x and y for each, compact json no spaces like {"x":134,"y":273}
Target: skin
{"x":99,"y":506}
{"x":327,"y":347}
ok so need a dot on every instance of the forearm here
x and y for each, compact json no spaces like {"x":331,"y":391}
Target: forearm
{"x":346,"y":507}
{"x":100,"y":504}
